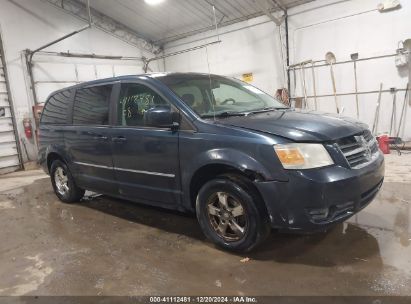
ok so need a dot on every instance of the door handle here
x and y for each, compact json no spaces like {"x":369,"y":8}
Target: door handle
{"x":119,"y":139}
{"x":100,"y":137}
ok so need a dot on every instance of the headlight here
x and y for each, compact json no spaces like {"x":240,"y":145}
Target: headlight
{"x":303,"y":156}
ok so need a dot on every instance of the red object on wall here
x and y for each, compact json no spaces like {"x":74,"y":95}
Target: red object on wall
{"x":37,"y":110}
{"x":384,"y":143}
{"x":28,"y":130}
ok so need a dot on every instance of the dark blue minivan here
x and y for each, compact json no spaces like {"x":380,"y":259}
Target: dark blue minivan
{"x":216,"y":146}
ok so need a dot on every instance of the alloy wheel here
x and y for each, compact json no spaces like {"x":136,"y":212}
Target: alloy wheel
{"x":61,"y":181}
{"x":227,"y":216}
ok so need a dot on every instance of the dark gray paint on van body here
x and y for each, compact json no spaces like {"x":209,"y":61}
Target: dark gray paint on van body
{"x":156,"y":165}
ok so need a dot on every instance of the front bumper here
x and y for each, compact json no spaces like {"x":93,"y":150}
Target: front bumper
{"x":315,"y":199}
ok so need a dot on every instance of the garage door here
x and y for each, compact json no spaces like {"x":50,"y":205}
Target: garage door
{"x":9,"y":155}
{"x":55,"y":71}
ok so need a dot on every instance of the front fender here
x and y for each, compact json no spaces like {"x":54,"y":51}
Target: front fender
{"x":229,"y":157}
{"x":233,"y":158}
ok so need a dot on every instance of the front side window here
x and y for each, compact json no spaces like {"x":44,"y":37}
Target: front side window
{"x":91,"y":105}
{"x":135,"y":100}
{"x":214,"y":95}
{"x":56,"y":108}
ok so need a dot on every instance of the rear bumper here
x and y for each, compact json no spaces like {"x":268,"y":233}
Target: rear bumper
{"x":316,"y":199}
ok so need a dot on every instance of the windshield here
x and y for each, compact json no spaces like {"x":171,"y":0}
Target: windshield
{"x":211,"y":96}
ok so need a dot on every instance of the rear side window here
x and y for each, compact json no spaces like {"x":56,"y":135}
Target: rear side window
{"x":56,"y":108}
{"x":91,"y":105}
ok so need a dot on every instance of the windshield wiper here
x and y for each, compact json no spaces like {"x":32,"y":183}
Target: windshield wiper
{"x":224,"y":114}
{"x":268,"y":109}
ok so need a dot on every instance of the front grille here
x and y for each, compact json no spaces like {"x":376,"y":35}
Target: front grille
{"x":359,"y":150}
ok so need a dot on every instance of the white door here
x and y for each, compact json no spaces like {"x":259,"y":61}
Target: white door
{"x":9,"y":153}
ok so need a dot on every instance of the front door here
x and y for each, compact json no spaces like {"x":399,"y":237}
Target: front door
{"x":145,"y":158}
{"x":88,"y":140}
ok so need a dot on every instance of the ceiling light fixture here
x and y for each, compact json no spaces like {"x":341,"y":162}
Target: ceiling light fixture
{"x":153,"y":2}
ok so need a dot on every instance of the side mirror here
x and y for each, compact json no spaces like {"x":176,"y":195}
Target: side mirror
{"x":162,"y":117}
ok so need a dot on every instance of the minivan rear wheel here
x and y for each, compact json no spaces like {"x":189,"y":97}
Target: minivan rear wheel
{"x":63,"y":183}
{"x":231,"y":213}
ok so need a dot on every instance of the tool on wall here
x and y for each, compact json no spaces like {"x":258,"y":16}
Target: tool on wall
{"x":282,"y":95}
{"x":396,"y":141}
{"x":402,"y":56}
{"x":388,"y":5}
{"x":394,"y":111}
{"x":330,"y":59}
{"x":354,"y":58}
{"x":403,"y":111}
{"x":407,"y":46}
{"x":377,"y":113}
{"x":298,"y":103}
{"x":314,"y":86}
{"x":301,"y":66}
{"x":303,"y":84}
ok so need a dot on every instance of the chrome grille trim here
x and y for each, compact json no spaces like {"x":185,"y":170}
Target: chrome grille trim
{"x":359,"y":150}
{"x":355,"y":151}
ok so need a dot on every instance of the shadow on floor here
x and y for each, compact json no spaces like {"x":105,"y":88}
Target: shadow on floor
{"x":345,"y":244}
{"x":163,"y":219}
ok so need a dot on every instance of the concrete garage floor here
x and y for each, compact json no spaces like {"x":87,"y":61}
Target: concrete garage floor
{"x":110,"y":247}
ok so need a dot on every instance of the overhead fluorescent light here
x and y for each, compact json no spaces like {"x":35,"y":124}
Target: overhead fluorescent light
{"x":153,"y":2}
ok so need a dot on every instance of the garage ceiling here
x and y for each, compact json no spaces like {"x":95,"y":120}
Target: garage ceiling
{"x":174,"y":19}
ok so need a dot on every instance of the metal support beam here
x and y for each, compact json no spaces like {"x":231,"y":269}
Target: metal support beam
{"x":91,"y":56}
{"x":287,"y":41}
{"x":105,"y":23}
{"x":351,"y":93}
{"x":321,"y":63}
{"x":211,"y":3}
{"x":56,"y":41}
{"x":29,"y":54}
{"x":280,"y":5}
{"x":265,"y":7}
{"x":147,"y":61}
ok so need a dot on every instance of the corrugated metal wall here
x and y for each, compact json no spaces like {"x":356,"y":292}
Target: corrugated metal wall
{"x":9,"y":152}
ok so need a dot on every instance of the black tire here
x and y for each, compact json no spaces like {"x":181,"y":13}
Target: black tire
{"x":254,"y":221}
{"x":72,"y":193}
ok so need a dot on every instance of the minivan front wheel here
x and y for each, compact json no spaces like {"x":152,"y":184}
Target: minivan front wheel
{"x":63,"y":183}
{"x":231,"y":214}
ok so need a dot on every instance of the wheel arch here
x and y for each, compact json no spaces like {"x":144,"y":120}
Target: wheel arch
{"x":51,"y":157}
{"x":223,"y":161}
{"x":53,"y":153}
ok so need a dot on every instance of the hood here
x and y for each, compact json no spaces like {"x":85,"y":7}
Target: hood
{"x":298,"y":125}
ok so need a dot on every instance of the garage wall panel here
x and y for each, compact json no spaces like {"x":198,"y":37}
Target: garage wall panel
{"x":247,"y":47}
{"x":6,"y":136}
{"x":121,"y":70}
{"x":3,"y":87}
{"x":43,"y":90}
{"x":31,"y":24}
{"x":9,"y":153}
{"x":343,"y":27}
{"x":86,"y":72}
{"x":346,"y":27}
{"x":52,"y":72}
{"x":44,"y":71}
{"x":104,"y":71}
